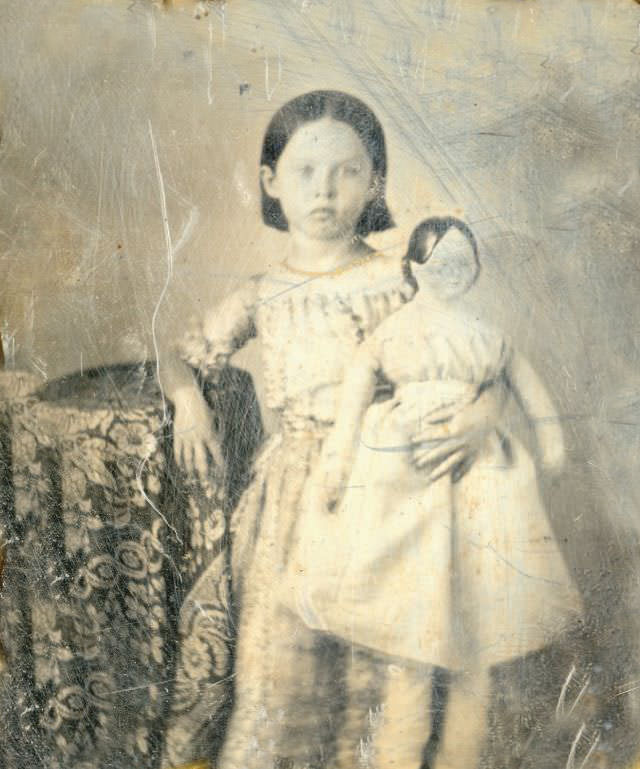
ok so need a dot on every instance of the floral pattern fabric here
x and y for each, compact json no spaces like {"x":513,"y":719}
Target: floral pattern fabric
{"x":104,"y":538}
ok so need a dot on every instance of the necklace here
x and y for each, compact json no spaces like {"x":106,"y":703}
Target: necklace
{"x":337,"y":271}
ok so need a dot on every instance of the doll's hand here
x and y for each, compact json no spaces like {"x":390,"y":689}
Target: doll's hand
{"x":330,"y":489}
{"x":195,"y":442}
{"x":327,"y":482}
{"x":552,"y":450}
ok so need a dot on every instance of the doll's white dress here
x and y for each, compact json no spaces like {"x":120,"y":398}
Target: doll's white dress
{"x":463,"y":569}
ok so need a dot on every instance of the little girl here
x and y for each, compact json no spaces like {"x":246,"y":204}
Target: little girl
{"x":322,"y":176}
{"x":433,"y":558}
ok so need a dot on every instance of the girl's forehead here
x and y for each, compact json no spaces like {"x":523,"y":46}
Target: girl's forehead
{"x":326,"y":136}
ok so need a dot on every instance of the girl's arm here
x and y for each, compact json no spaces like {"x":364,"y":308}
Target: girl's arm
{"x":357,"y":394}
{"x":194,"y":436}
{"x":207,"y":348}
{"x":536,"y":403}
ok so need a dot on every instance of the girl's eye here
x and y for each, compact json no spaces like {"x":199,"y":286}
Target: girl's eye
{"x":351,"y":170}
{"x":306,"y":172}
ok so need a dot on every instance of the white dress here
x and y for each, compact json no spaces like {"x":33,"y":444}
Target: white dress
{"x":310,"y":329}
{"x":460,"y":569}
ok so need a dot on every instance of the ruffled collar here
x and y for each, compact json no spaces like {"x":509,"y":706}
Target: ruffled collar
{"x":374,"y":273}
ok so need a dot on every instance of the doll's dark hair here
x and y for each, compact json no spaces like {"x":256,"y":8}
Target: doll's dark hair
{"x":439,"y":225}
{"x":313,"y":106}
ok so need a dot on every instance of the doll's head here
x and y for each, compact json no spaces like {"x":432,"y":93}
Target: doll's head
{"x":335,"y":167}
{"x":445,"y":253}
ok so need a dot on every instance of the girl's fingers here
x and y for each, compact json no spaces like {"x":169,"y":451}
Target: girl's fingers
{"x":193,"y":458}
{"x":184,"y":458}
{"x":430,"y":431}
{"x":191,"y":463}
{"x":428,"y":454}
{"x":443,"y":466}
{"x":447,"y":466}
{"x":214,"y":449}
{"x":200,"y":460}
{"x":437,"y":455}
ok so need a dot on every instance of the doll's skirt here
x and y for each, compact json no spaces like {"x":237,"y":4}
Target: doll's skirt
{"x":452,"y":573}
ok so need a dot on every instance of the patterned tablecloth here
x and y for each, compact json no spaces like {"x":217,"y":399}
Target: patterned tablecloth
{"x":104,"y":539}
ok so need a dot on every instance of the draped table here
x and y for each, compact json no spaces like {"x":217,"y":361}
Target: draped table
{"x":103,"y":539}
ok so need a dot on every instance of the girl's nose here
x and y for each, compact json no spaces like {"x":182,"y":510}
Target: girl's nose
{"x":325,"y":184}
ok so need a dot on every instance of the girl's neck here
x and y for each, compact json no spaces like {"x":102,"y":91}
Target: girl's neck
{"x":322,"y":256}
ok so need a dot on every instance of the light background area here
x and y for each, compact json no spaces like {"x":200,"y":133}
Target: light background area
{"x":521,"y":116}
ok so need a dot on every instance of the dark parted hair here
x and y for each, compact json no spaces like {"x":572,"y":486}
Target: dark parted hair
{"x":313,"y":106}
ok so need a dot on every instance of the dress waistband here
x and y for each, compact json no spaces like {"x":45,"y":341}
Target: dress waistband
{"x":295,"y":424}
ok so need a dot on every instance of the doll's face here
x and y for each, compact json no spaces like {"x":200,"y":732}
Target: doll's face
{"x":451,"y":268}
{"x":323,"y":180}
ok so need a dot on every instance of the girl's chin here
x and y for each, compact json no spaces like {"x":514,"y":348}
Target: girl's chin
{"x":329,"y":232}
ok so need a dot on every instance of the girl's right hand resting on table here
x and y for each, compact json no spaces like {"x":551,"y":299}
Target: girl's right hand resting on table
{"x":195,"y":442}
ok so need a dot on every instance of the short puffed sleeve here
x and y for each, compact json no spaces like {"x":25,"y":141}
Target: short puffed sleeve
{"x":210,"y":343}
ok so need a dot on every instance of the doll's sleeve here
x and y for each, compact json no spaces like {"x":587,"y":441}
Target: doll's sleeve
{"x":210,"y":343}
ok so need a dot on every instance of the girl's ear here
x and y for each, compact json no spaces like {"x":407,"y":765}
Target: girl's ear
{"x":374,"y":188}
{"x":269,"y":181}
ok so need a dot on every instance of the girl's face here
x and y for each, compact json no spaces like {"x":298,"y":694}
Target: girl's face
{"x":323,"y":180}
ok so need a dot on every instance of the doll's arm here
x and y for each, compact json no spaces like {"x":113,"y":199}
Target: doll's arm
{"x":536,"y":403}
{"x":338,"y":453}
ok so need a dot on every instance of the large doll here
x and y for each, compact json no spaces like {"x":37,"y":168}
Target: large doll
{"x":448,"y":562}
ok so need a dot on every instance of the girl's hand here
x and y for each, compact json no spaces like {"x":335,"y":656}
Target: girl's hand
{"x":454,"y":433}
{"x":195,"y":442}
{"x":440,"y":459}
{"x":476,"y":417}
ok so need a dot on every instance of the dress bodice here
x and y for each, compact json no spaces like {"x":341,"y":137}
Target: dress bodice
{"x":310,"y":328}
{"x":438,"y":342}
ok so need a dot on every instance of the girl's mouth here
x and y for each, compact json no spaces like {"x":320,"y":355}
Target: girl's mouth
{"x":323,"y":212}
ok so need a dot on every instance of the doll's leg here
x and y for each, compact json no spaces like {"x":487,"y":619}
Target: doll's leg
{"x":405,"y":726}
{"x":465,"y":723}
